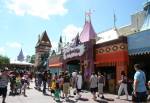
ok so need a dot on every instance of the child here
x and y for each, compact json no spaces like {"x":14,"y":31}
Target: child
{"x":53,"y":86}
{"x":57,"y":93}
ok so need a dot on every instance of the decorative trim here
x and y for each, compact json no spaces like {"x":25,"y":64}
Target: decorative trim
{"x":111,"y":48}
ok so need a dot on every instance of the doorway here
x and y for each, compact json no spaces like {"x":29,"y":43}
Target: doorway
{"x":109,"y":73}
{"x":73,"y":65}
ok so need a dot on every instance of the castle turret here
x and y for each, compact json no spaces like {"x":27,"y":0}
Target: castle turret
{"x":88,"y":32}
{"x":20,"y":57}
{"x":43,"y":47}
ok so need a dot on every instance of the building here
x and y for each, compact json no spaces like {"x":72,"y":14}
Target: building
{"x":111,"y":57}
{"x":79,"y":55}
{"x":109,"y":52}
{"x":139,"y":45}
{"x":20,"y":63}
{"x":42,"y":50}
{"x":137,"y":21}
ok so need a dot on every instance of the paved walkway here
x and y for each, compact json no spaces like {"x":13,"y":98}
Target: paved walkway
{"x":35,"y":96}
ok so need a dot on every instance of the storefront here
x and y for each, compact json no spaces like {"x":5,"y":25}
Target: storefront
{"x":139,"y":52}
{"x":79,"y":58}
{"x":111,"y":58}
{"x":55,"y":64}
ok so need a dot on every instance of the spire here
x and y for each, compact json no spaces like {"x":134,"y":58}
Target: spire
{"x":44,"y":39}
{"x":77,"y":40}
{"x":88,"y":16}
{"x":20,"y":57}
{"x":60,"y":40}
{"x":88,"y":32}
{"x":60,"y":44}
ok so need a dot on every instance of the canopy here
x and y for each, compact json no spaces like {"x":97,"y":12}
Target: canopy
{"x":139,"y":43}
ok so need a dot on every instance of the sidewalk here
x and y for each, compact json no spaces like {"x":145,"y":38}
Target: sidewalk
{"x":35,"y":96}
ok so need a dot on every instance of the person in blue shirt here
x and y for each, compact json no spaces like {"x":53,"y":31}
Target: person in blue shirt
{"x":139,"y":88}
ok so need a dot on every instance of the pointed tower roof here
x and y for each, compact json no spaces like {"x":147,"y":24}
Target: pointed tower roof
{"x":20,"y":57}
{"x":88,"y":32}
{"x":60,"y":40}
{"x":146,"y":24}
{"x":44,"y":39}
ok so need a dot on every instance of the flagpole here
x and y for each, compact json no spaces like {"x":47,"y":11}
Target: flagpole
{"x":114,"y":18}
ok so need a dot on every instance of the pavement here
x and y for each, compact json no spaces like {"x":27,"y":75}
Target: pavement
{"x":35,"y":96}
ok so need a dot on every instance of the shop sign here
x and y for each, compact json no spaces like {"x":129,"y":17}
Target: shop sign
{"x":74,"y":51}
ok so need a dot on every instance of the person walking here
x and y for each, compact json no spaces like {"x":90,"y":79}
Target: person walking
{"x":101,"y":83}
{"x":66,"y":85}
{"x":93,"y":85}
{"x":44,"y":79}
{"x":79,"y":85}
{"x":4,"y":78}
{"x":139,"y":88}
{"x":24,"y":82}
{"x":123,"y":85}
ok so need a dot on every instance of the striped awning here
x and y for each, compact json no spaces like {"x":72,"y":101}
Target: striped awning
{"x":139,"y":43}
{"x":139,"y":51}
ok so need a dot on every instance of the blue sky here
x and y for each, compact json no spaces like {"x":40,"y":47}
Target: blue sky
{"x":21,"y":21}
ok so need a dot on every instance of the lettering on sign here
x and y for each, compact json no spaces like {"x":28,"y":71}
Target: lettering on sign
{"x":74,"y":51}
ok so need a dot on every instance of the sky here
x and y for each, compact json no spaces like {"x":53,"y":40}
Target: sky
{"x":21,"y":21}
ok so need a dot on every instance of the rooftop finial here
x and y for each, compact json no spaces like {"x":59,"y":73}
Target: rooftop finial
{"x":88,"y":15}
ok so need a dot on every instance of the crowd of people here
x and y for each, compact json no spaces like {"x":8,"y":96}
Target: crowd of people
{"x":59,"y":84}
{"x":19,"y":82}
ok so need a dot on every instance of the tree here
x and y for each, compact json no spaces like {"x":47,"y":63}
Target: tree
{"x":44,"y":58}
{"x":4,"y":60}
{"x":32,"y":60}
{"x":28,"y":58}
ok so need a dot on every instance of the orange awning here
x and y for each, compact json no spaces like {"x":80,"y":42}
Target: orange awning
{"x":55,"y":65}
{"x":112,"y":58}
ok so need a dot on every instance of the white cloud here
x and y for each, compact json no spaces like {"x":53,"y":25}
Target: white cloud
{"x":2,"y":51}
{"x":40,"y":8}
{"x":70,"y":32}
{"x":13,"y":45}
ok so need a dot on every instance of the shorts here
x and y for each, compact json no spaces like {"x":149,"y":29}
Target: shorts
{"x":100,"y":87}
{"x":141,"y":97}
{"x":66,"y":88}
{"x":94,"y":90}
{"x":3,"y":91}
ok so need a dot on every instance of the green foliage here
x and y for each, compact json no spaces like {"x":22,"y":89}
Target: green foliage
{"x":44,"y":58}
{"x":32,"y":59}
{"x":4,"y":60}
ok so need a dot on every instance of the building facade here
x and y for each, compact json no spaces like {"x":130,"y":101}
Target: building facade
{"x":42,"y":49}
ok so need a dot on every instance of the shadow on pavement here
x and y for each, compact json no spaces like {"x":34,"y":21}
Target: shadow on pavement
{"x":108,"y":99}
{"x":83,"y":99}
{"x":46,"y":94}
{"x":71,"y":96}
{"x":71,"y":101}
{"x":101,"y":101}
{"x":126,"y":100}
